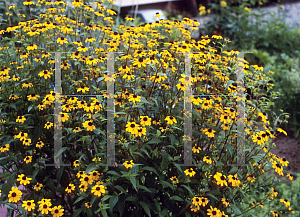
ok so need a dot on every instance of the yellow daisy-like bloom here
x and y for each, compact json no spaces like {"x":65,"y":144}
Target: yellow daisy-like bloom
{"x":48,"y":125}
{"x":20,"y":119}
{"x":209,"y":132}
{"x":140,"y":62}
{"x":174,"y":180}
{"x":221,"y":179}
{"x":225,"y":202}
{"x":291,"y":177}
{"x":134,"y":98}
{"x":31,"y":47}
{"x":258,"y":139}
{"x":145,"y":121}
{"x":76,"y":130}
{"x":287,"y":203}
{"x":213,"y":212}
{"x":23,"y":179}
{"x":28,"y":205}
{"x":76,"y":163}
{"x":83,"y":187}
{"x":170,"y":120}
{"x":89,"y":39}
{"x":89,"y":125}
{"x":274,"y":212}
{"x":233,"y":180}
{"x":223,"y":3}
{"x":64,"y":117}
{"x":70,"y":188}
{"x":28,"y":159}
{"x":124,"y":69}
{"x":95,"y":175}
{"x":77,"y":3}
{"x":86,"y":180}
{"x":128,"y":164}
{"x":45,"y":207}
{"x":140,"y":131}
{"x":39,"y":144}
{"x":88,"y":205}
{"x":274,"y":192}
{"x":250,"y":178}
{"x":21,"y":136}
{"x":28,"y":2}
{"x":83,"y":89}
{"x":33,"y":97}
{"x":82,"y":48}
{"x":132,"y":127}
{"x":278,"y":168}
{"x":27,"y":142}
{"x":57,"y":211}
{"x":80,"y":173}
{"x":128,"y":76}
{"x":207,"y":159}
{"x":46,"y":74}
{"x":98,"y":190}
{"x":281,"y":131}
{"x":190,"y":172}
{"x":14,"y":195}
{"x":196,"y":149}
{"x":38,"y":186}
{"x":62,"y":40}
{"x":196,"y":201}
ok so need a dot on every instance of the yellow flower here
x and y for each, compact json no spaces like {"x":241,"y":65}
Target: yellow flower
{"x":291,"y":177}
{"x":247,"y":9}
{"x":23,"y":179}
{"x":27,"y":142}
{"x":14,"y":195}
{"x":28,"y":2}
{"x":76,"y":163}
{"x":174,"y":180}
{"x":196,"y":149}
{"x":128,"y":164}
{"x":98,"y":190}
{"x":223,"y":3}
{"x":209,"y":132}
{"x":28,"y":159}
{"x":77,"y":3}
{"x":281,"y":131}
{"x":134,"y":98}
{"x":213,"y":212}
{"x":21,"y":119}
{"x":140,"y":62}
{"x":88,"y":205}
{"x":233,"y":180}
{"x":83,"y":89}
{"x":170,"y":120}
{"x":28,"y":205}
{"x":57,"y":211}
{"x":225,"y":202}
{"x":45,"y":73}
{"x":287,"y":203}
{"x":221,"y":179}
{"x":86,"y":179}
{"x":89,"y":125}
{"x":38,"y":186}
{"x":48,"y":125}
{"x":207,"y":159}
{"x":31,"y":47}
{"x":39,"y":144}
{"x":190,"y":172}
{"x":70,"y":188}
{"x":33,"y":97}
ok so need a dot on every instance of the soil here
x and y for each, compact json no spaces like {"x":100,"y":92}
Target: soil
{"x":289,"y":148}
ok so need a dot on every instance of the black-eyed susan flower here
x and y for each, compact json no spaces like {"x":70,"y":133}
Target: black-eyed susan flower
{"x":196,"y":201}
{"x":209,"y":132}
{"x":196,"y":149}
{"x":221,"y":179}
{"x":28,"y":205}
{"x":88,"y":205}
{"x":76,"y":163}
{"x":80,"y":174}
{"x":82,"y":48}
{"x":5,"y":148}
{"x":28,"y":2}
{"x":31,"y":47}
{"x":86,"y":180}
{"x":132,"y":127}
{"x":225,"y":202}
{"x":62,"y":40}
{"x":83,"y":187}
{"x":57,"y":211}
{"x":38,"y":186}
{"x":287,"y":203}
{"x":207,"y":159}
{"x":140,"y":132}
{"x":290,"y":176}
{"x":98,"y":159}
{"x":76,"y":130}
{"x":14,"y":195}
{"x":89,"y":125}
{"x":77,"y":3}
{"x":27,"y":84}
{"x":213,"y":212}
{"x":23,"y":179}
{"x":98,"y":190}
{"x":278,"y":168}
{"x":45,"y":207}
{"x":64,"y":117}
{"x":145,"y":121}
{"x":250,"y":178}
{"x":274,"y":212}
{"x":82,"y":89}
{"x":190,"y":172}
{"x":48,"y":125}
{"x":233,"y":180}
{"x":174,"y":180}
{"x":134,"y":98}
{"x":27,"y":142}
{"x":170,"y":120}
{"x":45,"y":73}
{"x":39,"y":144}
{"x":95,"y":175}
{"x":33,"y":97}
{"x":28,"y":159}
{"x":70,"y":188}
{"x":20,"y":119}
{"x":140,"y":62}
{"x":128,"y":164}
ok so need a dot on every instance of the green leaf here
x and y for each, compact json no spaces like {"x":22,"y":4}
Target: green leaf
{"x":120,"y":207}
{"x":77,"y":212}
{"x":105,"y":198}
{"x":113,"y":173}
{"x":104,"y":213}
{"x":35,"y":172}
{"x":176,"y":198}
{"x":150,"y":169}
{"x":154,"y":140}
{"x":120,"y":188}
{"x":133,"y":182}
{"x":78,"y":199}
{"x":59,"y":174}
{"x":60,"y":152}
{"x":131,"y":198}
{"x":166,"y":184}
{"x":91,"y":167}
{"x":189,"y":189}
{"x":144,"y":188}
{"x":146,"y":208}
{"x":112,"y":202}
